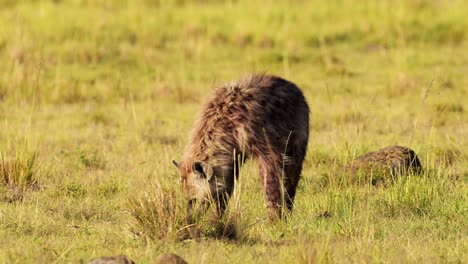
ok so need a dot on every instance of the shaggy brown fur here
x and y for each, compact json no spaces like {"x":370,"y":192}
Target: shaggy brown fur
{"x":122,"y":259}
{"x":169,"y":258}
{"x":389,"y":161}
{"x":263,"y":117}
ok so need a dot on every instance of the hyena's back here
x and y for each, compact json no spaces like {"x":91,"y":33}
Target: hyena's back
{"x":256,"y":113}
{"x":261,"y":116}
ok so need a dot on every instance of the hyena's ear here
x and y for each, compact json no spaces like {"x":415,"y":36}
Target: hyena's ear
{"x":175,"y":163}
{"x":202,"y":169}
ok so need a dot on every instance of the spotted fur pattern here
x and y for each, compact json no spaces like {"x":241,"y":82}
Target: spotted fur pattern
{"x":389,"y":161}
{"x":262,"y":117}
{"x":169,"y":258}
{"x":121,"y":259}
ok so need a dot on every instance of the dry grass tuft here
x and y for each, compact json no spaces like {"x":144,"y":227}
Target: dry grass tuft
{"x":162,"y":215}
{"x":18,"y":175}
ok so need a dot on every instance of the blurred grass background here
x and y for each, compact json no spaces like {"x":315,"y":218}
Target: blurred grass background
{"x":103,"y":94}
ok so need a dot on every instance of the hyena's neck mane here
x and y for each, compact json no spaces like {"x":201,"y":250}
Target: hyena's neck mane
{"x":212,"y":140}
{"x":218,"y":136}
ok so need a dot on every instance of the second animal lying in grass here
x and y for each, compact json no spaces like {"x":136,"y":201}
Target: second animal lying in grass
{"x":384,"y":165}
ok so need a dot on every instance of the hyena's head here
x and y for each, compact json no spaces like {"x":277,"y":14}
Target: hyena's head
{"x":202,"y":182}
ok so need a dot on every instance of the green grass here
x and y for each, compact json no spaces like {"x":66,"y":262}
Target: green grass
{"x":103,"y":94}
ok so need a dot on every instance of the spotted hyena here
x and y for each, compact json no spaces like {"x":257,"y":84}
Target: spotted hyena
{"x":121,"y":259}
{"x":261,"y":116}
{"x":384,"y":164}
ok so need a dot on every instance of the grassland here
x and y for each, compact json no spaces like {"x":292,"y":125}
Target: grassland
{"x":97,"y":97}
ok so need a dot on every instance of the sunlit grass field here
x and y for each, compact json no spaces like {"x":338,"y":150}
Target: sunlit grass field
{"x":97,"y":97}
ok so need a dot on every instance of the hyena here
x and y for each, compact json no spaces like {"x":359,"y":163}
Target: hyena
{"x":169,"y":258}
{"x":121,"y":259}
{"x":384,"y":163}
{"x":263,"y":117}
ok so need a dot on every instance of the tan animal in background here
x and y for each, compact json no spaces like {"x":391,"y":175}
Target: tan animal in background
{"x":170,"y":258}
{"x":385,"y":164}
{"x":121,"y":259}
{"x":262,"y":117}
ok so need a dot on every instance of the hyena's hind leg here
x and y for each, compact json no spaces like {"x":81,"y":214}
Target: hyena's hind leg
{"x":292,"y":175}
{"x":270,"y":177}
{"x":295,"y":156}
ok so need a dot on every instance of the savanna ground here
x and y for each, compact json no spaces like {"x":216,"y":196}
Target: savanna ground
{"x":97,"y":98}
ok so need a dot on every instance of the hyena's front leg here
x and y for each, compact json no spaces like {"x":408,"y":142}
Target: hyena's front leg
{"x":270,"y":178}
{"x":220,"y":199}
{"x":221,"y":189}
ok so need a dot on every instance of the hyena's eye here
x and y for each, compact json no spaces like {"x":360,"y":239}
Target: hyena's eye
{"x":198,"y":169}
{"x":202,"y":169}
